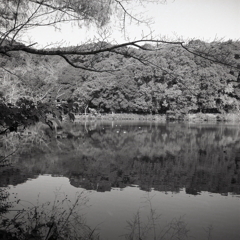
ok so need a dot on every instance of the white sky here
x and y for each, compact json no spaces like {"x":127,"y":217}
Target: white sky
{"x":186,"y":19}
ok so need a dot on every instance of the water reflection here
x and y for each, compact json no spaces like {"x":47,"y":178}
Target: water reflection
{"x":109,"y":212}
{"x":190,"y":169}
{"x":160,"y":157}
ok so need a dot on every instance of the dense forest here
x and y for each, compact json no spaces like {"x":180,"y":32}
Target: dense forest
{"x":165,"y":78}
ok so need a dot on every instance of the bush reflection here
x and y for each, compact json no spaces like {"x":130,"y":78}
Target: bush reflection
{"x":169,"y":157}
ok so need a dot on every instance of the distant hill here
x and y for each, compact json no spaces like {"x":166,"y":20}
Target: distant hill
{"x":164,"y":78}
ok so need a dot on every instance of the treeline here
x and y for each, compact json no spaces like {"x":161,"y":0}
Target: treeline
{"x":163,"y":79}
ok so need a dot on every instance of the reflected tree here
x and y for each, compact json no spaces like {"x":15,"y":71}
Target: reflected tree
{"x":166,"y":158}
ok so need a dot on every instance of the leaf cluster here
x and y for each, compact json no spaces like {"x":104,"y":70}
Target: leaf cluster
{"x":25,"y":112}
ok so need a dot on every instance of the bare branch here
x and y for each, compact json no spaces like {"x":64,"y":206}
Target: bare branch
{"x":24,"y":24}
{"x":85,"y":68}
{"x":127,"y":13}
{"x":12,"y":73}
{"x":5,"y":49}
{"x":16,"y":14}
{"x":208,"y":57}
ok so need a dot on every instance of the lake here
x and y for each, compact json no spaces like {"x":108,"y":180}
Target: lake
{"x":133,"y":179}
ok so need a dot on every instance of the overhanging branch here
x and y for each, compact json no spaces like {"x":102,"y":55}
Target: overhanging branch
{"x":5,"y":49}
{"x":214,"y":60}
{"x":77,"y":51}
{"x":86,"y":68}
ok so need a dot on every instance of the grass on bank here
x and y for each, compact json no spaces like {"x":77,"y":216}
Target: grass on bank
{"x":197,"y":117}
{"x":61,"y":219}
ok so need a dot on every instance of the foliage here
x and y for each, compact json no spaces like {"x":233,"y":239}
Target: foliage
{"x":170,"y":79}
{"x":24,"y":113}
{"x":19,"y":16}
{"x":61,"y":219}
{"x":4,"y":204}
{"x":152,"y":229}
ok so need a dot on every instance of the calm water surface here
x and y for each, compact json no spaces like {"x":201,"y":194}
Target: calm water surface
{"x":189,"y":173}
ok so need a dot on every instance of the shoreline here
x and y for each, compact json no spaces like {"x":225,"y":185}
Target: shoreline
{"x":197,"y":117}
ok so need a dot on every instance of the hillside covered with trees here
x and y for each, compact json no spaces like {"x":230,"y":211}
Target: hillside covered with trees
{"x":164,"y":78}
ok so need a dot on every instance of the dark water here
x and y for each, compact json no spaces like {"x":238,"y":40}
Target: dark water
{"x":186,"y":174}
